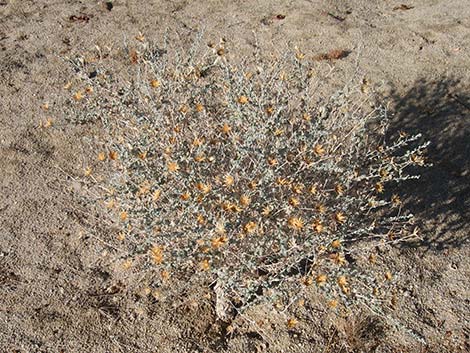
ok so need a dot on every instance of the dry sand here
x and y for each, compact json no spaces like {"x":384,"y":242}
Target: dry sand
{"x":50,"y":271}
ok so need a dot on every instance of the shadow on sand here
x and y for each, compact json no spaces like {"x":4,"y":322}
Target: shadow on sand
{"x":440,"y":110}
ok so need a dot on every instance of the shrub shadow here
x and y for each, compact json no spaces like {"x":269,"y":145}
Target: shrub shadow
{"x":440,"y":110}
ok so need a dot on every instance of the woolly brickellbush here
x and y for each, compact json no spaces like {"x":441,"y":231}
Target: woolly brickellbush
{"x":242,"y":176}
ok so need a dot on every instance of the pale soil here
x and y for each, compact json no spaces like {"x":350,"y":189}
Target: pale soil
{"x":52,"y":276}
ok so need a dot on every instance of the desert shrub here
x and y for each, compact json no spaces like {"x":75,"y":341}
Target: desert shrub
{"x":241,"y":175}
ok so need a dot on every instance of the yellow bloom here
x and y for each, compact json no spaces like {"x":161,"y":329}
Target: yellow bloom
{"x":204,"y":188}
{"x":127,"y":264}
{"x":140,"y":37}
{"x":113,"y":155}
{"x":185,"y":196}
{"x":144,"y":188}
{"x":379,"y":187}
{"x":226,"y":128}
{"x":291,"y":323}
{"x":165,"y":275}
{"x":219,"y":241}
{"x":78,"y":96}
{"x":320,"y":208}
{"x":296,"y":223}
{"x":333,"y":303}
{"x":184,"y":109}
{"x":340,"y":217}
{"x":245,"y":200}
{"x":321,"y":279}
{"x":338,"y":259}
{"x":396,"y":201}
{"x":230,"y":207}
{"x":269,"y":110}
{"x":317,"y":226}
{"x":266,"y":210}
{"x":272,"y":161}
{"x":156,"y":195}
{"x":173,"y":166}
{"x":200,"y":219}
{"x":101,"y":156}
{"x":308,"y":281}
{"x":388,"y":276}
{"x":200,"y":158}
{"x":336,"y":244}
{"x":142,"y":155}
{"x":252,"y":185}
{"x":204,"y":265}
{"x":229,"y":180}
{"x":313,"y":189}
{"x":155,"y":83}
{"x":157,"y":254}
{"x":220,"y":228}
{"x":294,"y":202}
{"x":339,"y":189}
{"x":123,"y":216}
{"x":250,"y":227}
{"x":199,"y":107}
{"x":297,"y":188}
{"x":318,"y":150}
{"x":282,"y":181}
{"x":242,"y":100}
{"x":87,"y":171}
{"x":342,"y":281}
{"x":49,"y":122}
{"x":198,"y":141}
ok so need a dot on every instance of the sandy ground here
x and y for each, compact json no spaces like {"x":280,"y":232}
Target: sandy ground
{"x":419,"y":58}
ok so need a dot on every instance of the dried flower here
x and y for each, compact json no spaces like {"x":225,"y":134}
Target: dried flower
{"x":396,"y":201}
{"x":272,"y":161}
{"x":155,"y":83}
{"x":219,"y":241}
{"x":226,"y":128}
{"x":242,"y":100}
{"x":342,"y":281}
{"x":245,"y":200}
{"x":228,"y":180}
{"x":78,"y":96}
{"x":296,"y":223}
{"x":250,"y":227}
{"x":333,"y":303}
{"x":204,"y":265}
{"x":336,"y":244}
{"x":339,"y":189}
{"x":319,"y":150}
{"x":318,"y":226}
{"x":156,"y":195}
{"x":185,"y":196}
{"x":173,"y":167}
{"x":291,"y":323}
{"x":204,"y":188}
{"x":321,"y":279}
{"x":340,"y":217}
{"x":157,"y":254}
{"x":294,"y":202}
